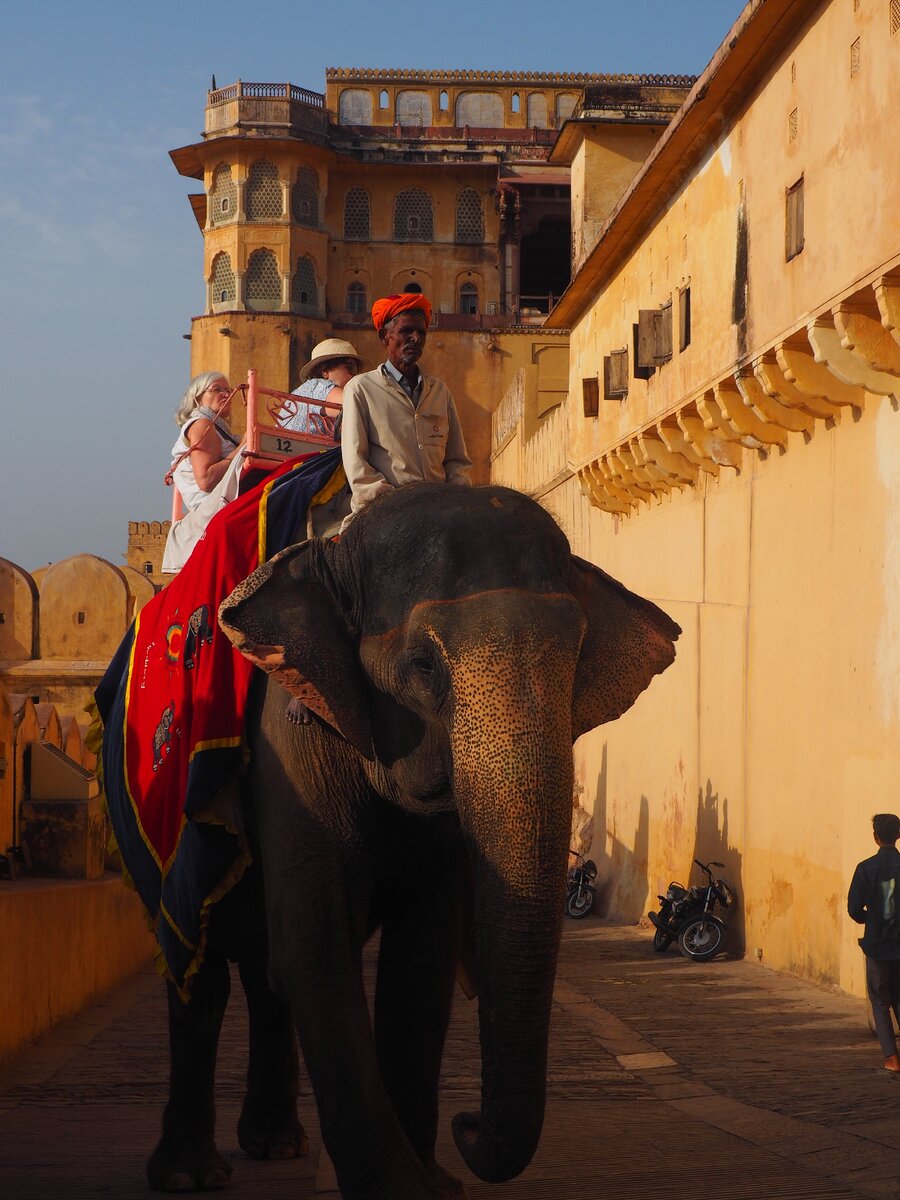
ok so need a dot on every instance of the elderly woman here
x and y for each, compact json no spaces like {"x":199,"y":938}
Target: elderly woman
{"x":204,"y":466}
{"x":333,"y":363}
{"x":206,"y":446}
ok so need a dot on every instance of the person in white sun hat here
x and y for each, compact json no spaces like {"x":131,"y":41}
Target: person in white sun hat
{"x":333,"y":363}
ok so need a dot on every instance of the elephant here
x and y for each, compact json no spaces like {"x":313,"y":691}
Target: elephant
{"x":450,"y":649}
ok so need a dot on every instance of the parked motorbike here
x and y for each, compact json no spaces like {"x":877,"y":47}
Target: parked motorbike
{"x":579,"y":892}
{"x":688,"y":916}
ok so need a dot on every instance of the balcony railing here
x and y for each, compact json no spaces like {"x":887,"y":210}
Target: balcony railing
{"x":266,"y":91}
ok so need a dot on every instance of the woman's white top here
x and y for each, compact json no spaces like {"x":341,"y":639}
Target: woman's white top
{"x":191,"y":492}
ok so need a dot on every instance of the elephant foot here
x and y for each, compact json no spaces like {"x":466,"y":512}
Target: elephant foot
{"x":187,"y":1169}
{"x":442,"y":1185}
{"x":276,"y":1140}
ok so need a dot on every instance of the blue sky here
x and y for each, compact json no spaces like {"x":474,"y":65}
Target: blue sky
{"x":100,"y":256}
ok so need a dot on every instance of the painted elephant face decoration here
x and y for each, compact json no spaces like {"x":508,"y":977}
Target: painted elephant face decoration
{"x":458,"y":648}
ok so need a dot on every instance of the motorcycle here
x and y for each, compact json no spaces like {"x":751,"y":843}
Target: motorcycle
{"x":579,"y":892}
{"x":687,"y":915}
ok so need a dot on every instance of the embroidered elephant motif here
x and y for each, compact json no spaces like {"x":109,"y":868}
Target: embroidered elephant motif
{"x":162,"y":738}
{"x":199,"y":633}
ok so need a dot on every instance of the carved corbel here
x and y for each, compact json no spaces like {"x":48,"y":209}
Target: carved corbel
{"x":712,"y":446}
{"x":660,"y":479}
{"x":679,"y":443}
{"x":679,"y":467}
{"x":717,"y":421}
{"x":768,"y":371}
{"x":642,"y":477}
{"x":626,"y":477}
{"x":858,"y":321}
{"x":828,"y":347}
{"x":798,"y":361}
{"x":887,"y":295}
{"x":592,"y":486}
{"x":765,"y":406}
{"x":613,"y":484}
{"x":730,"y":402}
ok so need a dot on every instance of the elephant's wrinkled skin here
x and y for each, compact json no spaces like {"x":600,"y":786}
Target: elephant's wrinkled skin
{"x":451,"y":649}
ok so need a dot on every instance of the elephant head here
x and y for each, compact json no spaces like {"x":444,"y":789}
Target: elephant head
{"x":454,"y":642}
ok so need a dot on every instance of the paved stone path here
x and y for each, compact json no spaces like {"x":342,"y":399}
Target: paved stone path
{"x":667,"y":1079}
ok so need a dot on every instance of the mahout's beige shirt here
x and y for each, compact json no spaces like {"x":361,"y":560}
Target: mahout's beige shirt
{"x":387,"y":441}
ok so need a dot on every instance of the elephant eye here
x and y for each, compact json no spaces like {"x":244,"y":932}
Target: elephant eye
{"x":421,"y":661}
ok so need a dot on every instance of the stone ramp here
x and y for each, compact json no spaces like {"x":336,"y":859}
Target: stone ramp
{"x":666,"y":1079}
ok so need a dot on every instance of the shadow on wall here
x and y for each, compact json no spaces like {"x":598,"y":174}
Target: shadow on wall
{"x":621,"y":883}
{"x":711,"y":844}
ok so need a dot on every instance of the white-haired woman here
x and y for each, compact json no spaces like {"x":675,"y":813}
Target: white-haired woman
{"x":206,"y":446}
{"x":204,"y":466}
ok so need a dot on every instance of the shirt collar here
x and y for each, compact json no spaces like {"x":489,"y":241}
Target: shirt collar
{"x":391,"y":370}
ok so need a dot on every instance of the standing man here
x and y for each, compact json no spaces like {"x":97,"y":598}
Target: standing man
{"x":400,"y":425}
{"x":874,"y":901}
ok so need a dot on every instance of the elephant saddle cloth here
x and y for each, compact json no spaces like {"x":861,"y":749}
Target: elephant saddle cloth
{"x":171,"y":711}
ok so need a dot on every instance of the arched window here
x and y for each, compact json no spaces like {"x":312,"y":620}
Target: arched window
{"x":356,"y":215}
{"x":413,"y":108}
{"x":536,"y":112}
{"x":413,"y":216}
{"x":223,"y":283}
{"x":484,"y":110}
{"x":356,"y":297}
{"x":565,"y":106}
{"x":222,"y":196}
{"x":414,"y":288}
{"x":263,"y":196}
{"x":444,"y":102}
{"x":469,"y":216}
{"x":468,"y":299}
{"x":262,"y":283}
{"x":305,"y":198}
{"x":355,"y":107}
{"x":515,"y":102}
{"x":383,"y":98}
{"x":304,"y":292}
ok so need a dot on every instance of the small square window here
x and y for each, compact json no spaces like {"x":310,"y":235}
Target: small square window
{"x":684,"y":318}
{"x":223,"y":204}
{"x":80,"y":618}
{"x":615,"y":375}
{"x":793,"y":231}
{"x":590,"y":392}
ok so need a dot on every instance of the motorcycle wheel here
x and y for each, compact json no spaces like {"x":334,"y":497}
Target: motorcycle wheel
{"x":702,"y":938}
{"x":661,"y":941}
{"x":579,"y":906}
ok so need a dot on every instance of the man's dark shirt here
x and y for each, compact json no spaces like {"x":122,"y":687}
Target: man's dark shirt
{"x":874,"y":899}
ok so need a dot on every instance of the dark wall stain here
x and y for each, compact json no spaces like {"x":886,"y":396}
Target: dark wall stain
{"x":741,"y":293}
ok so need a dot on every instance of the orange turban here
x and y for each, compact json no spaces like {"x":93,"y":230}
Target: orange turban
{"x":391,"y":306}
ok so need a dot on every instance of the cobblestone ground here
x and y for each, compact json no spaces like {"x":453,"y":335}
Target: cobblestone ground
{"x":667,"y":1079}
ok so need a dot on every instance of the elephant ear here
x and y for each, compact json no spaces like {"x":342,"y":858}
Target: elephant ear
{"x":287,"y":622}
{"x":628,"y":641}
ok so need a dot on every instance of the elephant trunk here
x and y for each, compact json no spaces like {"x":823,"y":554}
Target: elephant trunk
{"x":512,"y":777}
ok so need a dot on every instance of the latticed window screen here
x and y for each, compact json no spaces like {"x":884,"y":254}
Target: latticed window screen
{"x":413,"y":216}
{"x":468,"y":299}
{"x":223,"y":284}
{"x":222,"y":196}
{"x":305,"y":198}
{"x":356,"y":297}
{"x":565,"y":106}
{"x":355,"y":107}
{"x":536,"y":111}
{"x":356,"y":215}
{"x":469,"y":216}
{"x":303,"y":285}
{"x":482,"y":109}
{"x":263,"y":197}
{"x":895,"y":16}
{"x":413,"y":108}
{"x":855,"y":56}
{"x":262,"y":284}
